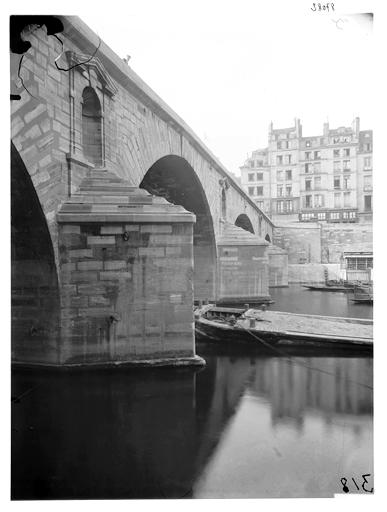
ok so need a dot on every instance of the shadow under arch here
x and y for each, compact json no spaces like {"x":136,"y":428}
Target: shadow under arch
{"x":244,"y":222}
{"x":173,"y":178}
{"x":35,"y":303}
{"x":267,"y":238}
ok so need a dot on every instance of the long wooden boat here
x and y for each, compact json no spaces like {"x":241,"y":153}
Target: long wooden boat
{"x":276,"y":329}
{"x":328,"y":287}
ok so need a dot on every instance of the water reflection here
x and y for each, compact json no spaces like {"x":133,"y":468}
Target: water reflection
{"x":242,"y":427}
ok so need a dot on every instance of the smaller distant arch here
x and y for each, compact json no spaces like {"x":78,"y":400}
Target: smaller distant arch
{"x":244,"y":222}
{"x":267,"y":238}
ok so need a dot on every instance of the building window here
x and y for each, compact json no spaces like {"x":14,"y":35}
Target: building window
{"x":307,"y":143}
{"x":318,"y":201}
{"x":334,"y":215}
{"x":337,"y":201}
{"x":356,"y":263}
{"x":259,"y":176}
{"x":367,"y":182}
{"x":279,"y":159}
{"x":279,"y":191}
{"x":280,"y":175}
{"x":288,"y":159}
{"x":92,"y":126}
{"x":259,"y":163}
{"x":336,"y":165}
{"x":259,"y":191}
{"x":336,"y":183}
{"x":251,"y":163}
{"x":347,"y":151}
{"x":367,"y":162}
{"x":346,"y":165}
{"x":288,"y":190}
{"x":368,"y":146}
{"x":289,"y":206}
{"x":321,"y":215}
{"x":280,"y":206}
{"x":346,"y":182}
{"x":288,"y":175}
{"x":260,"y":205}
{"x":286,"y":144}
{"x":307,"y":168}
{"x":251,"y":176}
{"x":279,"y":145}
{"x":307,"y":155}
{"x":336,"y":153}
{"x":317,"y":155}
{"x":317,"y":183}
{"x":347,"y":199}
{"x":251,"y":191}
{"x":307,"y":202}
{"x":367,"y":203}
{"x":308,"y":184}
{"x":317,"y":167}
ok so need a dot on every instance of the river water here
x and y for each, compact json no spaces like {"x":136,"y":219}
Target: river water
{"x":248,"y":425}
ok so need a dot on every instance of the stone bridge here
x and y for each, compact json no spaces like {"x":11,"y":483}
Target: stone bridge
{"x":121,"y":216}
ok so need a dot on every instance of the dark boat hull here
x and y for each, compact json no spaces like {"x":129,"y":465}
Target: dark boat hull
{"x":322,"y":288}
{"x":227,"y":334}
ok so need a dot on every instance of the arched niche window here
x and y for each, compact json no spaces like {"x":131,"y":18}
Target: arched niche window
{"x":224,"y":206}
{"x":91,"y":126}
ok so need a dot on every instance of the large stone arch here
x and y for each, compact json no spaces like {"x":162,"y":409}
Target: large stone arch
{"x":244,"y":222}
{"x":35,"y":290}
{"x":173,"y":178}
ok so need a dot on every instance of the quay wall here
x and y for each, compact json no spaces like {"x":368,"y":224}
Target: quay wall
{"x":312,"y":272}
{"x":322,"y":243}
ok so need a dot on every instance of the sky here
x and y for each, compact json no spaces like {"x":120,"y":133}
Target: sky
{"x":228,"y":69}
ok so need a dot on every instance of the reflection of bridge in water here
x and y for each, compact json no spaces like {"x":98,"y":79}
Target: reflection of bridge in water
{"x":327,"y":385}
{"x":151,"y":434}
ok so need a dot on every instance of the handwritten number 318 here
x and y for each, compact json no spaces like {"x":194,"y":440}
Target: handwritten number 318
{"x":365,"y":481}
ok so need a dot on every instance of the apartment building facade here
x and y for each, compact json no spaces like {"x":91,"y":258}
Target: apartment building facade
{"x":326,"y":177}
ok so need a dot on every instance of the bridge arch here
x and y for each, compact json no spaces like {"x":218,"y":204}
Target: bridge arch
{"x":243,"y":221}
{"x":35,"y":289}
{"x":173,"y":178}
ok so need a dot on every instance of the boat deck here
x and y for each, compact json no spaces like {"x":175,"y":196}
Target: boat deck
{"x":278,"y":321}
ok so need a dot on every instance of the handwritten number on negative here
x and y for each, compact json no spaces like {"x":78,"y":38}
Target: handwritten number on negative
{"x":346,"y":489}
{"x":366,"y":482}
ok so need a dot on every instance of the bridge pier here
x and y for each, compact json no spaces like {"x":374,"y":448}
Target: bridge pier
{"x":243,"y":267}
{"x":126,"y":266}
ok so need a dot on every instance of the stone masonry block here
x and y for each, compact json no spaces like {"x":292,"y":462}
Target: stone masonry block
{"x":101,"y":240}
{"x":71,"y":228}
{"x":35,"y":113}
{"x":99,"y":300}
{"x":78,"y":277}
{"x":111,"y":230}
{"x":155,"y":252}
{"x":156,"y":228}
{"x":89,"y":265}
{"x":115,"y":265}
{"x":92,"y":289}
{"x":107,"y":276}
{"x":81,"y":253}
